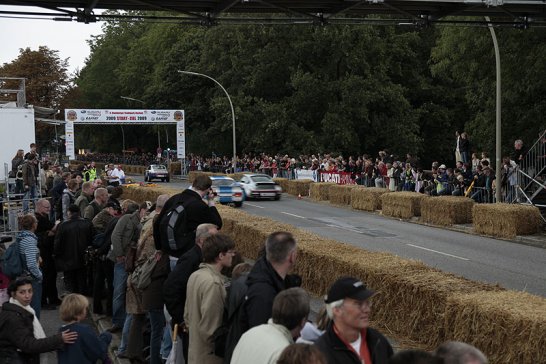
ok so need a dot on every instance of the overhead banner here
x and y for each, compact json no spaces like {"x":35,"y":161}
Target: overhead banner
{"x":114,"y":116}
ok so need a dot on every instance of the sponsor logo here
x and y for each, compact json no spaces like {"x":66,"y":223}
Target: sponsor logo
{"x":178,"y":116}
{"x":71,"y":115}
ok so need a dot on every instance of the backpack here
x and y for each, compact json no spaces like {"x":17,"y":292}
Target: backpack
{"x":142,"y":275}
{"x":12,"y":262}
{"x":171,"y":233}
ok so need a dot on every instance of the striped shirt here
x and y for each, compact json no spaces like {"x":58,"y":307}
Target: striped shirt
{"x":28,"y":248}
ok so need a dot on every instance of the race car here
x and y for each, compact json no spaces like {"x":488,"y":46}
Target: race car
{"x":260,"y":186}
{"x":227,"y":190}
{"x":156,"y":171}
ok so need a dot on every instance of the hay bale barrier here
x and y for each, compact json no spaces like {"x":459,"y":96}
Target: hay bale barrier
{"x":404,"y":205}
{"x":506,"y":220}
{"x":367,"y":199}
{"x":299,"y":187}
{"x":319,"y":191}
{"x":142,"y":194}
{"x":447,"y":210}
{"x":341,"y":194}
{"x":508,"y":326}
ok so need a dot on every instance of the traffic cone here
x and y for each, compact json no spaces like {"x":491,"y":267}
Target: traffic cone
{"x":299,"y":196}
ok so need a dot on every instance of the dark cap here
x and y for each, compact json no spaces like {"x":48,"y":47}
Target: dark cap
{"x":348,"y":287}
{"x":112,"y":205}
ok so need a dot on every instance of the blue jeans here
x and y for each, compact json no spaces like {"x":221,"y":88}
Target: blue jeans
{"x":30,"y":194}
{"x":118,"y":300}
{"x":157,"y":324}
{"x":36,"y":302}
{"x":125,"y":333}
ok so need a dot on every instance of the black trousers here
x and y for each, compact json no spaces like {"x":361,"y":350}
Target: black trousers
{"x":75,"y":280}
{"x":103,"y":270}
{"x":49,"y":284}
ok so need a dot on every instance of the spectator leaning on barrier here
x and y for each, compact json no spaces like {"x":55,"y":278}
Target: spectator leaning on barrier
{"x":267,"y":277}
{"x":265,"y":343}
{"x":348,"y":338}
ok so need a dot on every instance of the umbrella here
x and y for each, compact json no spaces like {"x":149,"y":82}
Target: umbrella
{"x":176,"y":356}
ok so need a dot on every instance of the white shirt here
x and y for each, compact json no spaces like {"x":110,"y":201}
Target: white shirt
{"x":115,"y":174}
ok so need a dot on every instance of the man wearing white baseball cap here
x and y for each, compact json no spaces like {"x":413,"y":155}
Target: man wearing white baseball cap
{"x":348,"y":338}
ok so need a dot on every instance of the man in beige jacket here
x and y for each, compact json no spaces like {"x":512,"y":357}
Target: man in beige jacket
{"x":205,"y":299}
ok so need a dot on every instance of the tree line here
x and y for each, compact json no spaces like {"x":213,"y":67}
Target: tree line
{"x":347,"y":89}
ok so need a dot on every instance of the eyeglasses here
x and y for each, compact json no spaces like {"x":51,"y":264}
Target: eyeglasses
{"x":359,"y":304}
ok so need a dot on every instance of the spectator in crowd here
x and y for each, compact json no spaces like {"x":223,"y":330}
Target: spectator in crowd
{"x":197,"y":212}
{"x":17,"y":172}
{"x":126,"y":230}
{"x":29,"y":180}
{"x":302,"y":354}
{"x":267,"y":277}
{"x":310,"y":333}
{"x":28,"y":250}
{"x":475,"y":162}
{"x":458,"y":156}
{"x":73,"y":237}
{"x":348,"y":338}
{"x":414,"y":357}
{"x":97,"y":204}
{"x":88,"y":348}
{"x":22,"y":337}
{"x":265,"y":343}
{"x":57,"y":194}
{"x":519,"y":152}
{"x":464,"y":147}
{"x":85,"y":198}
{"x":456,"y":352}
{"x":45,"y":232}
{"x":175,"y":287}
{"x":205,"y":299}
{"x":90,"y":172}
{"x":69,"y":197}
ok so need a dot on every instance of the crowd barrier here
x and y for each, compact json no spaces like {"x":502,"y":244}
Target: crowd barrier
{"x":447,"y":210}
{"x":506,"y":220}
{"x":367,"y":199}
{"x":341,"y":194}
{"x":403,"y":205}
{"x":320,"y":191}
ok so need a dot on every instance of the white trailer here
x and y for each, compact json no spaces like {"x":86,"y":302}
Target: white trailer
{"x":16,"y":132}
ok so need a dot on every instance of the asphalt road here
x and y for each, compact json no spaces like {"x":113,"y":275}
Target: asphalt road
{"x":510,"y":264}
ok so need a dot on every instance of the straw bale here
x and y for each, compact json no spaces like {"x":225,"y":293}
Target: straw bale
{"x":298,"y":187}
{"x":447,"y":210}
{"x":508,"y":326}
{"x":283,"y":182}
{"x":319,"y":191}
{"x":142,"y":194}
{"x":506,"y":220}
{"x":402,"y":204}
{"x":175,"y":167}
{"x":341,"y":194}
{"x":367,"y":199}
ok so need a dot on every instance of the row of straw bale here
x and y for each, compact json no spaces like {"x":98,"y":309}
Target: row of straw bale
{"x":142,"y":194}
{"x":404,"y":205}
{"x":320,"y":191}
{"x":506,"y":220}
{"x":412,"y":300}
{"x":447,"y":210}
{"x":341,"y":194}
{"x":367,"y":199}
{"x":298,"y":187}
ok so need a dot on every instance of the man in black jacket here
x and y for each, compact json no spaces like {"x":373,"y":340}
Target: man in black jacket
{"x":268,"y":277}
{"x":72,"y":239}
{"x":348,"y":338}
{"x":199,"y":206}
{"x":174,"y":288}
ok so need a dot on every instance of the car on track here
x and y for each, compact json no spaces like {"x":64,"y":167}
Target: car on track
{"x":157,"y":171}
{"x":260,"y":186}
{"x":227,"y":190}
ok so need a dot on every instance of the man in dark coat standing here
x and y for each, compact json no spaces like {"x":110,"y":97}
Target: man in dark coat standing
{"x":72,"y":239}
{"x":46,"y":237}
{"x":348,"y":338}
{"x":268,"y":277}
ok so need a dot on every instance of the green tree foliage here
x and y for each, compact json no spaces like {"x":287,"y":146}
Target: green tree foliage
{"x":301,"y":89}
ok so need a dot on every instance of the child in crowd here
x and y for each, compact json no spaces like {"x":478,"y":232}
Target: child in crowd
{"x":89,"y":347}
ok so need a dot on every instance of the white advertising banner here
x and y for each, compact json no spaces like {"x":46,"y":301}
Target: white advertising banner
{"x":69,"y":140}
{"x":306,"y":174}
{"x":115,"y":116}
{"x":180,"y":140}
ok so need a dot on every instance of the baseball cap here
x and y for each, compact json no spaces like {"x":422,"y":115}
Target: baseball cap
{"x":348,"y":287}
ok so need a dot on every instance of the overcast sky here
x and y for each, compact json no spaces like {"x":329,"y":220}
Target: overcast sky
{"x":69,"y":38}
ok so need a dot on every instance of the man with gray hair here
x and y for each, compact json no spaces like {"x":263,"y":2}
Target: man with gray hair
{"x":456,"y":352}
{"x":95,"y":206}
{"x":175,"y":287}
{"x":348,"y":338}
{"x":265,"y":343}
{"x":268,"y":277}
{"x":85,"y":198}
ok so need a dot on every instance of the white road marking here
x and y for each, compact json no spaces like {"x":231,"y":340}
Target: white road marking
{"x":436,"y":251}
{"x":249,"y":204}
{"x":287,"y":213}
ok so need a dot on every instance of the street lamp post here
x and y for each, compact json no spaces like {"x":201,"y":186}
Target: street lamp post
{"x":234,"y":161}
